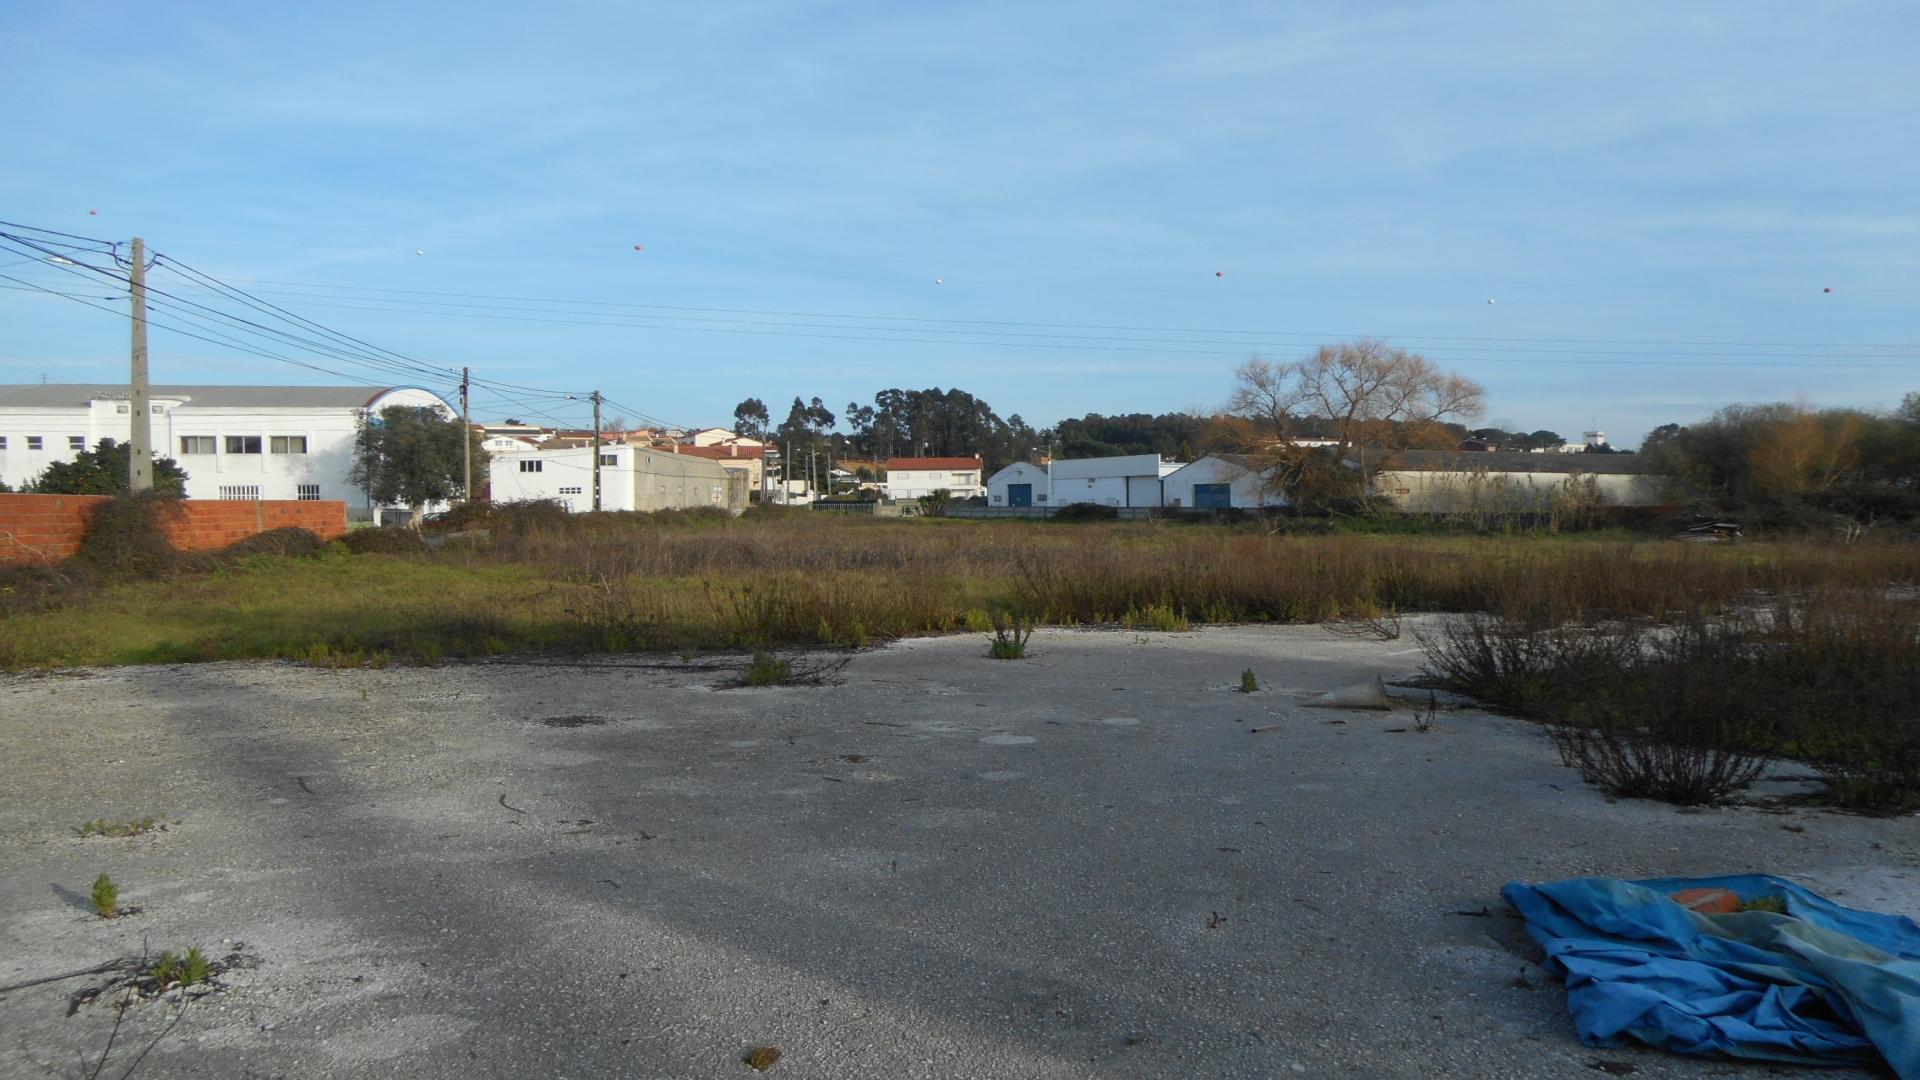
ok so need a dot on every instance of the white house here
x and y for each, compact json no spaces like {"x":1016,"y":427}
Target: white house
{"x":1019,"y":484}
{"x":235,"y":442}
{"x":631,"y":478}
{"x":1220,"y":481}
{"x":715,"y":436}
{"x":1133,"y":480}
{"x":507,"y":444}
{"x":913,"y":477}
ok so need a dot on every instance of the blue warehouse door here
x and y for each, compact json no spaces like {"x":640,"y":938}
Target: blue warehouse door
{"x":1212,"y":496}
{"x":1019,"y":494}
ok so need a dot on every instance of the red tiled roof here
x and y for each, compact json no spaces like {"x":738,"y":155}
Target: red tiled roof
{"x":923,"y":463}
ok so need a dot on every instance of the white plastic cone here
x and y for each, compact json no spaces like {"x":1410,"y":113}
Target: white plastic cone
{"x":1371,"y":694}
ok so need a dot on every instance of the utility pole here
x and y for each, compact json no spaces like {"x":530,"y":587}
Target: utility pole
{"x":596,"y":450}
{"x":466,"y":433}
{"x":140,"y":476}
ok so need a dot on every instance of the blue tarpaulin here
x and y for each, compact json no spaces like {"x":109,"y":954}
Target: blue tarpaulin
{"x":1820,"y":985}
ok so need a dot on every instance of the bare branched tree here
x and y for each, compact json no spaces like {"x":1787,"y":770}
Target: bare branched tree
{"x":1370,"y":398}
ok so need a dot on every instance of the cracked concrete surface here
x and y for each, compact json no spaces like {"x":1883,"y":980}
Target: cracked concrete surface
{"x":1082,"y":864}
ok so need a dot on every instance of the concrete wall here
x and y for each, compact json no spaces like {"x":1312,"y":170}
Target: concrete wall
{"x":45,"y":529}
{"x":1505,"y":492}
{"x":631,"y":479}
{"x":663,"y":481}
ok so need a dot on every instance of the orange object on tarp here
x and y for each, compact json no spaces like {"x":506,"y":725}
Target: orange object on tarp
{"x":1707,"y":901}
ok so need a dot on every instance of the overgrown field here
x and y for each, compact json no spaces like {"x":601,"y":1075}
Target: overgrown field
{"x":671,"y":582}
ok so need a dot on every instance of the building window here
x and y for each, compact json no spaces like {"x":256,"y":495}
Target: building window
{"x":308,"y":492}
{"x":609,"y":459}
{"x":288,"y":444}
{"x":3,"y":442}
{"x":155,"y":410}
{"x":76,"y":442}
{"x":243,"y":444}
{"x":33,"y":442}
{"x":123,"y":408}
{"x":530,"y":466}
{"x":571,"y":491}
{"x":196,"y":444}
{"x":240,"y":491}
{"x":936,"y":476}
{"x":1042,"y":497}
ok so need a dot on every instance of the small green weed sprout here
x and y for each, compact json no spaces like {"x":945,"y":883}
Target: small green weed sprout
{"x":105,"y":896}
{"x":1423,"y":718}
{"x":767,"y":669}
{"x":1248,"y":684}
{"x":196,"y":967}
{"x":1010,"y":634}
{"x":686,"y":656}
{"x":189,"y":970}
{"x":103,"y":827}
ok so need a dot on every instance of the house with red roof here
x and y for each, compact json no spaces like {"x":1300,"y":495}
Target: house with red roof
{"x":913,"y":477}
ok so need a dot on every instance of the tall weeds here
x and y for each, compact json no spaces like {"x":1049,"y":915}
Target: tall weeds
{"x":542,"y":579}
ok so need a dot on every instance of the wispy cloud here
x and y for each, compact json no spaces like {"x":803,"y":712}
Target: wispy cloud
{"x":1760,"y":220}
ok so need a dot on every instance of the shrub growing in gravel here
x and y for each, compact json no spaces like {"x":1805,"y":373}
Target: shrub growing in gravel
{"x":1693,"y":710}
{"x":1010,"y":634}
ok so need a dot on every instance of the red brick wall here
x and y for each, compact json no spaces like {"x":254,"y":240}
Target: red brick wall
{"x":47,"y":528}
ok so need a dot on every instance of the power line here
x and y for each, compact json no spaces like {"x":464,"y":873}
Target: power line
{"x":998,"y":338}
{"x":227,"y":342}
{"x":877,"y":334}
{"x":108,"y":245}
{"x":1314,"y":335}
{"x":257,"y":304}
{"x":178,"y":304}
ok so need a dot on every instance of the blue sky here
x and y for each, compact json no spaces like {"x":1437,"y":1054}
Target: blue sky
{"x":1120,"y":201}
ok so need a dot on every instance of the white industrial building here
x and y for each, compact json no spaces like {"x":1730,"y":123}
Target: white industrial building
{"x":1133,"y":480}
{"x":913,"y":477}
{"x":1451,"y":482}
{"x":1220,"y":482}
{"x":1019,"y":484}
{"x":631,"y":478}
{"x":234,"y":442}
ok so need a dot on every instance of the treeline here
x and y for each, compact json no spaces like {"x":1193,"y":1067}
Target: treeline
{"x":1789,"y":464}
{"x":899,"y":423}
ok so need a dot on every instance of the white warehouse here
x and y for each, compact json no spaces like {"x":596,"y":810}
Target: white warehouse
{"x":1019,"y":484}
{"x":1220,"y":482}
{"x":631,"y":478}
{"x":1133,"y":480}
{"x":235,"y":442}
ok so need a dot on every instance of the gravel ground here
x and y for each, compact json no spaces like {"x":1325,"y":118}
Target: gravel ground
{"x":1085,"y":864}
